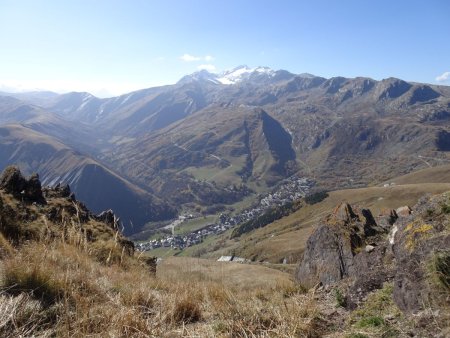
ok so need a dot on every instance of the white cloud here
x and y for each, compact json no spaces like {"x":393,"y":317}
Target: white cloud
{"x":443,"y":77}
{"x":208,"y":67}
{"x":190,"y":58}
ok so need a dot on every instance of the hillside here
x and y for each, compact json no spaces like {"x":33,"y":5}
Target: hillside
{"x":68,"y":272}
{"x":285,"y":239}
{"x":439,"y":174}
{"x":374,"y":130}
{"x":73,"y":133}
{"x":214,"y":143}
{"x":92,"y":183}
{"x":192,"y":162}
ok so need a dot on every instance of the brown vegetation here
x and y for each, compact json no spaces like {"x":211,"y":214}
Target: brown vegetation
{"x":64,"y":273}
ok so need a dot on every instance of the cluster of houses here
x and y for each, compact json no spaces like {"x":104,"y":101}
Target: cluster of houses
{"x":292,"y":189}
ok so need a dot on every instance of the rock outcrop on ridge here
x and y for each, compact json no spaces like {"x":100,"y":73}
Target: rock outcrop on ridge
{"x":408,"y":248}
{"x":14,"y":183}
{"x":28,"y":211}
{"x":331,"y":249}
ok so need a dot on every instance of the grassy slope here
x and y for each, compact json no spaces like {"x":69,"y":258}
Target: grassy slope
{"x":65,"y":286}
{"x":286,"y":238}
{"x":244,"y":276}
{"x":440,"y":174}
{"x":291,"y":233}
{"x":60,"y":284}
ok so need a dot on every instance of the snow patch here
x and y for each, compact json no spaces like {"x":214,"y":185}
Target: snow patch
{"x":242,"y":73}
{"x":126,"y":99}
{"x":232,"y":76}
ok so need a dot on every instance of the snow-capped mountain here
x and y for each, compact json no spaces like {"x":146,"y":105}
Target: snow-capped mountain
{"x":242,"y":73}
{"x":238,"y":75}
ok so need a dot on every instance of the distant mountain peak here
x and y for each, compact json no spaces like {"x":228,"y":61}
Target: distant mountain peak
{"x":243,"y":72}
{"x":201,"y":75}
{"x":306,"y":75}
{"x":237,"y":75}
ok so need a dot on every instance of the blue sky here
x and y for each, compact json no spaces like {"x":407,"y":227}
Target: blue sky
{"x":110,"y":47}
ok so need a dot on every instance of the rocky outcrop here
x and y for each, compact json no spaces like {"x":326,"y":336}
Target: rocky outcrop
{"x":387,"y":218}
{"x":409,"y":247}
{"x":331,"y":249}
{"x":404,"y":211}
{"x":109,"y":218}
{"x":421,"y":238}
{"x":56,"y":215}
{"x":58,"y":191}
{"x":29,"y":190}
{"x":150,"y":263}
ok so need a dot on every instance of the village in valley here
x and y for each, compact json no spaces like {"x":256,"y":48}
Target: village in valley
{"x":292,"y":189}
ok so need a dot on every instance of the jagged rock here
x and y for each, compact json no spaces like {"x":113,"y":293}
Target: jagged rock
{"x":415,"y":256}
{"x":151,"y":263}
{"x":369,"y":248}
{"x":343,"y":213}
{"x":33,"y":190}
{"x":417,"y":243}
{"x":328,"y":258}
{"x":387,"y":218}
{"x":330,"y":251}
{"x":373,"y":268}
{"x":60,"y":190}
{"x":13,"y":182}
{"x":109,"y":218}
{"x":404,"y":211}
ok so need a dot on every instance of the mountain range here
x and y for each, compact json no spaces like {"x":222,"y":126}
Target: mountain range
{"x":211,"y":141}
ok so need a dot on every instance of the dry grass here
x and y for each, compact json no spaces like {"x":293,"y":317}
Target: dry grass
{"x":6,"y":249}
{"x":233,"y":275}
{"x":66,"y":287}
{"x":439,"y":174}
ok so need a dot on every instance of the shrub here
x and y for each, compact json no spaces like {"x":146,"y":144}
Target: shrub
{"x":291,"y":289}
{"x":107,"y":252}
{"x":374,"y":321}
{"x":340,"y":298}
{"x":316,"y":197}
{"x":441,"y":264}
{"x":445,"y":208}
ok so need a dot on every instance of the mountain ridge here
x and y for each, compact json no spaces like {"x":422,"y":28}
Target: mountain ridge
{"x":92,"y":182}
{"x":202,"y":143}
